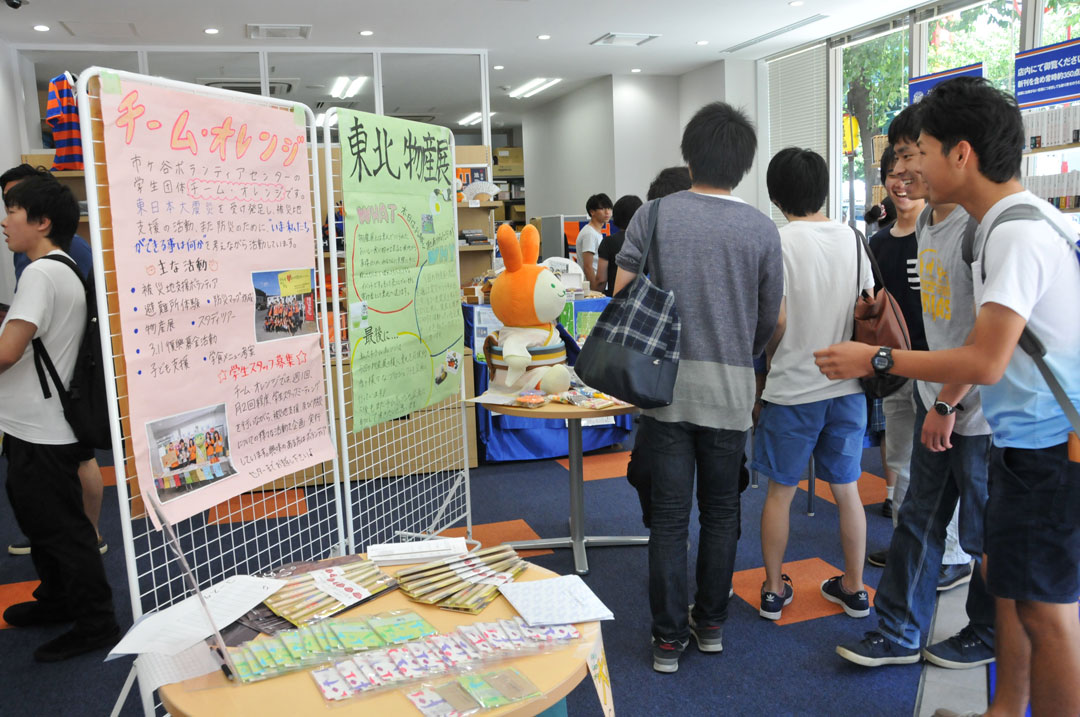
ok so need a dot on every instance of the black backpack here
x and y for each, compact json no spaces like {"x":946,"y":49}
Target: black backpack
{"x":85,"y":401}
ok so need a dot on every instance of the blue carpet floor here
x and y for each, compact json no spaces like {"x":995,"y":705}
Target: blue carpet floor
{"x":765,"y":668}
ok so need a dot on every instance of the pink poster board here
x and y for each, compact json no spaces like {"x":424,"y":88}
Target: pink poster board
{"x":214,"y":247}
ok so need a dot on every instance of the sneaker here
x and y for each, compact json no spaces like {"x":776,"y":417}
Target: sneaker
{"x":887,"y":508}
{"x":856,"y":604}
{"x":952,"y":576}
{"x":772,"y":605}
{"x":28,"y":614}
{"x":959,"y":652}
{"x":75,"y":642}
{"x":875,"y":650}
{"x":666,"y":654}
{"x":708,"y":639}
{"x":22,"y":548}
{"x":877,"y":558}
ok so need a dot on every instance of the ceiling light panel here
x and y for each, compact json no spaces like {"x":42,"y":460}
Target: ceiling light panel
{"x":542,"y":87}
{"x":528,"y":86}
{"x":623,"y":39}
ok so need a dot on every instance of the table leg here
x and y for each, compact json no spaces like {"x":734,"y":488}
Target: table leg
{"x":577,"y":496}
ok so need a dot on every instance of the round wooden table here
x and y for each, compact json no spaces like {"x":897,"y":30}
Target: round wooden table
{"x":577,"y":540}
{"x":554,"y":673}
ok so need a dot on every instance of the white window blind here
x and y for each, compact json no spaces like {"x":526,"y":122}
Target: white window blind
{"x":798,"y":105}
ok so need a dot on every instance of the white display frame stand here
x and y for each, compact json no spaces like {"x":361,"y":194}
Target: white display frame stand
{"x":156,"y":580}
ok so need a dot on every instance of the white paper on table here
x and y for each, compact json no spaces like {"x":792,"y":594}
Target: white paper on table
{"x":555,"y":601}
{"x":496,"y":399}
{"x":156,"y":670}
{"x":180,"y":626}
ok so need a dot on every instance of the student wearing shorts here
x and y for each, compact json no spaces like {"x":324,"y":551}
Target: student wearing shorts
{"x":805,"y":414}
{"x":970,"y":153}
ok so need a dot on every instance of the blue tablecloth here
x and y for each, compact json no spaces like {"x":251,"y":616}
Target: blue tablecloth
{"x":510,"y":438}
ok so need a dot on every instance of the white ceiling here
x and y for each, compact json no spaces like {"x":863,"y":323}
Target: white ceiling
{"x":444,"y":86}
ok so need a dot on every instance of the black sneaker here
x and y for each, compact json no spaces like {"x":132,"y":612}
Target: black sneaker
{"x":708,"y":639}
{"x":952,"y":576}
{"x":877,"y":558}
{"x":887,"y":508}
{"x":875,"y":650}
{"x":21,"y":548}
{"x":666,"y":654}
{"x":29,"y":614}
{"x":963,"y":650}
{"x":74,"y":643}
{"x":772,"y":605}
{"x":856,"y":604}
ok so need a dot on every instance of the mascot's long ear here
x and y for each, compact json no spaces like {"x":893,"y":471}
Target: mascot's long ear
{"x":530,"y":244}
{"x":509,"y":247}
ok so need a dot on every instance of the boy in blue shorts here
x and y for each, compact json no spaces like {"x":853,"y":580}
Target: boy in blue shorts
{"x":805,"y":414}
{"x":1026,"y":278}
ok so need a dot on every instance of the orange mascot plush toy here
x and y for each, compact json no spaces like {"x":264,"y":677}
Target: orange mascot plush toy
{"x":527,"y":352}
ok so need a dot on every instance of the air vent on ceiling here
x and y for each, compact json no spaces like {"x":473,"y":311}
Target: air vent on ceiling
{"x":623,"y":39}
{"x":776,"y":33}
{"x":278,"y":85}
{"x":263,"y":31}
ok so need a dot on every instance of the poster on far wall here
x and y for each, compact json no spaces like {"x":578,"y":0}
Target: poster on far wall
{"x":406,"y":331}
{"x":214,"y":246}
{"x":919,"y":86}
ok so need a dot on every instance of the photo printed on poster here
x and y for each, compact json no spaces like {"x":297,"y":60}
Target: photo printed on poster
{"x":214,"y":247}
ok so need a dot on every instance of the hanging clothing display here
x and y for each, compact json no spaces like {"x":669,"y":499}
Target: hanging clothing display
{"x":63,"y":116}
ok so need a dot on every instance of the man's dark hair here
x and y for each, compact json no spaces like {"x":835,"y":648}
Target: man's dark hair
{"x":597,"y":201}
{"x":798,"y":181}
{"x":624,"y":210}
{"x":888,"y":161}
{"x":971,"y":109}
{"x":906,"y":125}
{"x":669,"y":181}
{"x":718,"y":145}
{"x":46,"y":198}
{"x":17,"y":174}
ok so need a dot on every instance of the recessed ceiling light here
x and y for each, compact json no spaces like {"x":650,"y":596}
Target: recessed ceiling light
{"x":338,"y":88}
{"x":636,"y":69}
{"x":542,"y":87}
{"x":702,"y":42}
{"x":497,"y":67}
{"x":796,"y":3}
{"x":543,"y":37}
{"x":41,"y":28}
{"x":355,"y":86}
{"x":211,"y":31}
{"x":366,"y":33}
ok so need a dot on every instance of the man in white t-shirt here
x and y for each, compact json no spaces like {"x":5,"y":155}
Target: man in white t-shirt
{"x":42,"y":451}
{"x":588,"y":241}
{"x":970,"y":147}
{"x":805,"y":414}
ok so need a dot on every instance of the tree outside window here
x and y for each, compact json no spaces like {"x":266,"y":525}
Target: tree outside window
{"x":1060,"y":22}
{"x":987,"y":33}
{"x":875,"y":90}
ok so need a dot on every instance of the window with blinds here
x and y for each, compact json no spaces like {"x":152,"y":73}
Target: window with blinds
{"x":798,"y":105}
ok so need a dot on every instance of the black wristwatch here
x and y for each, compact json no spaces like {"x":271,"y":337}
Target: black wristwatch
{"x":945,"y":409}
{"x":882,"y":360}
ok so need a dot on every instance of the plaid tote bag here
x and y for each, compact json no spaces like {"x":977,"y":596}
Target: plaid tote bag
{"x":632,"y":352}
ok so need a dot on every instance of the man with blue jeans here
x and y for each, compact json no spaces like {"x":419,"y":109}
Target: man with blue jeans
{"x":804,"y":413}
{"x":949,"y":453}
{"x":970,"y":153}
{"x":721,"y":258}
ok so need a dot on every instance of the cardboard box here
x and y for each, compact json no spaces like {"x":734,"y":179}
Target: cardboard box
{"x":509,"y":162}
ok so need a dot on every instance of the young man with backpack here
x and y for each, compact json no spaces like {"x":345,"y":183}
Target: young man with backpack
{"x":970,"y":153}
{"x":42,"y":450}
{"x":89,"y":471}
{"x":948,"y":454}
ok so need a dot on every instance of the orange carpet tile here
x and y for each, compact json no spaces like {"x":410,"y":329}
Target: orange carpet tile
{"x":108,"y":475}
{"x":492,"y":534}
{"x":259,"y":505}
{"x":872,"y":489}
{"x":602,"y":465}
{"x":14,"y":593}
{"x":806,"y":577}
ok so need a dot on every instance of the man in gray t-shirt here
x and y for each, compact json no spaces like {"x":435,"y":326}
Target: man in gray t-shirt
{"x":948,"y":465}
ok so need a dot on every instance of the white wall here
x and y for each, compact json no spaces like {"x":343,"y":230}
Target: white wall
{"x":741,"y":90}
{"x":570,"y":151}
{"x":646,"y":130}
{"x":699,"y":88}
{"x":10,"y":151}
